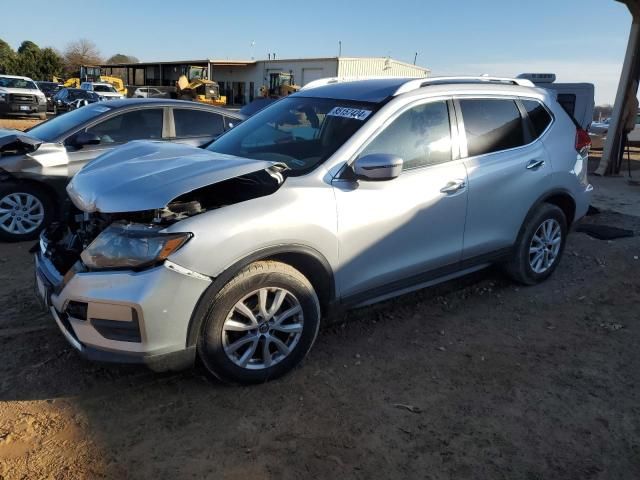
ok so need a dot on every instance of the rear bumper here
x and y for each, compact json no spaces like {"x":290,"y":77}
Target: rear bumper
{"x":583,"y":201}
{"x":124,"y":316}
{"x":10,"y":108}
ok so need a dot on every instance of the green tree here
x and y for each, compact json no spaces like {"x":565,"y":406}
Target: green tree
{"x":28,"y":47}
{"x":28,"y":60}
{"x":122,"y":58}
{"x":51,"y":64}
{"x":7,"y":57}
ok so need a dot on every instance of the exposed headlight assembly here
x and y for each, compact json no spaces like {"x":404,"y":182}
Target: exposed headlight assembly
{"x":131,"y":245}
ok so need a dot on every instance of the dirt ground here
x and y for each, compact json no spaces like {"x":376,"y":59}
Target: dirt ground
{"x":478,"y":378}
{"x":18,"y":123}
{"x":475,"y":379}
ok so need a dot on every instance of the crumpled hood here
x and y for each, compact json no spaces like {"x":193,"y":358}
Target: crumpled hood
{"x":12,"y":139}
{"x":143,"y":175}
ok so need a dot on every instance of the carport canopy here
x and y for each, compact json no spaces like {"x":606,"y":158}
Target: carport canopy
{"x":628,"y":85}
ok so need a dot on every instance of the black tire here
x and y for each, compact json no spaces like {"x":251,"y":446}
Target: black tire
{"x":38,"y":192}
{"x":519,"y":267}
{"x":256,"y":276}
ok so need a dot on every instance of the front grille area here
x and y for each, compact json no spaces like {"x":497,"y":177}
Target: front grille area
{"x":64,"y":319}
{"x":23,"y":98}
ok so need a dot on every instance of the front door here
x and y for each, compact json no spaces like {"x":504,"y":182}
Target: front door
{"x":393,"y":234}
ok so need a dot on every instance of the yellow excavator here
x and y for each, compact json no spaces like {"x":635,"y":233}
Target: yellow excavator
{"x":90,"y":73}
{"x":194,"y":85}
{"x":281,"y":84}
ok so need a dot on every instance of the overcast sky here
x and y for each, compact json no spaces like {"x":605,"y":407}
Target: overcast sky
{"x":578,"y":40}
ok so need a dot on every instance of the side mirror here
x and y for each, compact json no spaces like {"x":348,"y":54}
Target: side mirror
{"x":377,"y":167}
{"x":86,"y":138}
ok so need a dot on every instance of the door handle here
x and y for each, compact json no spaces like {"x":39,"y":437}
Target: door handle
{"x":535,"y":164}
{"x":453,"y":186}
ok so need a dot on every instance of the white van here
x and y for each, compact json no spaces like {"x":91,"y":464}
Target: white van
{"x":576,"y":98}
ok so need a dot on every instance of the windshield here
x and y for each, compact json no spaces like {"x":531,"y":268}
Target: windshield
{"x":104,"y":88}
{"x":17,"y":83}
{"x":51,"y":130}
{"x":301,"y":132}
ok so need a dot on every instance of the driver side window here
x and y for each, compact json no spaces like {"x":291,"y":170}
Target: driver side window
{"x":144,"y":124}
{"x":421,"y":136}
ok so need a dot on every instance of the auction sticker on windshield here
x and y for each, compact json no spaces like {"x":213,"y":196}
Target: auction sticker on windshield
{"x":345,"y":112}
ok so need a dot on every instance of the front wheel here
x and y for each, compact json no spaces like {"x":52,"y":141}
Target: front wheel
{"x":260,"y":325}
{"x":539,"y":246}
{"x":24,"y":211}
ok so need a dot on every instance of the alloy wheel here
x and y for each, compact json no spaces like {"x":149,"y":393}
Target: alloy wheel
{"x":545,"y":246}
{"x":20,"y":213}
{"x":263,"y":328}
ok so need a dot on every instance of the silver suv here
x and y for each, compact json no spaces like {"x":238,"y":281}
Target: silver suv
{"x":337,"y":196}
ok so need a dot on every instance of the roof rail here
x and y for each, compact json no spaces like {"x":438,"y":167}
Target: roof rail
{"x":331,"y":80}
{"x":424,"y":82}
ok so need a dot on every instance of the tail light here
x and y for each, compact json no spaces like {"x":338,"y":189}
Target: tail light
{"x":582,"y":140}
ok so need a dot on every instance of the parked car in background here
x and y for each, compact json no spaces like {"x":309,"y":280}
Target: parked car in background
{"x":598,"y":133}
{"x":71,"y":98}
{"x":49,"y":89}
{"x":21,"y":96}
{"x":599,"y":130}
{"x":36,"y":165}
{"x":150,"y":92}
{"x":338,"y":196}
{"x":105,"y":91}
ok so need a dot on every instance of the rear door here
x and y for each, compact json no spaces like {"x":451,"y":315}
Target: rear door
{"x":507,"y":168}
{"x":115,"y":130}
{"x":196,"y":126}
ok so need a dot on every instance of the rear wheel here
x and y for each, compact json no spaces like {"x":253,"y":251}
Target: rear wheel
{"x":260,"y":325}
{"x":539,"y":246}
{"x":24,"y":211}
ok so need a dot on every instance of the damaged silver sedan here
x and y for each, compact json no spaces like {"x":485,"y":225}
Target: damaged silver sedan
{"x":342,"y":195}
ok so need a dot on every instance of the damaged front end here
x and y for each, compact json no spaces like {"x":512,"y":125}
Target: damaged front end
{"x":101,"y":234}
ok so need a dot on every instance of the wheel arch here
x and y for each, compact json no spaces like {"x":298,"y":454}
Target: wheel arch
{"x":310,"y":262}
{"x":49,"y":190}
{"x":561,"y":198}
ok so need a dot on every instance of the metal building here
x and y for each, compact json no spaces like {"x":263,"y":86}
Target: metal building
{"x":240,"y":80}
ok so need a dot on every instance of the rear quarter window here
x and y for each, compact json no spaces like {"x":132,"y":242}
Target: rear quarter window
{"x":196,"y":123}
{"x":538,"y":116}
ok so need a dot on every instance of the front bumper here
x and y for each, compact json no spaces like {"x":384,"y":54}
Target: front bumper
{"x":10,"y":108}
{"x":123,"y":316}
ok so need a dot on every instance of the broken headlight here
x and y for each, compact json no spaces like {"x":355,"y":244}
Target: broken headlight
{"x":131,"y":245}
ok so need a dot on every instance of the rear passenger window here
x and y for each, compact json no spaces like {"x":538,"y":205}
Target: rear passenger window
{"x":197,"y":123}
{"x":421,"y":136}
{"x":491,"y":125}
{"x":538,"y":115}
{"x":568,"y":102}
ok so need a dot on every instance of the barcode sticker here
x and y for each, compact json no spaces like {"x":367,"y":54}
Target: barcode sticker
{"x":345,"y":112}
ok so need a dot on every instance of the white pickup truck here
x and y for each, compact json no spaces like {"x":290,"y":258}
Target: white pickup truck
{"x":21,"y":96}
